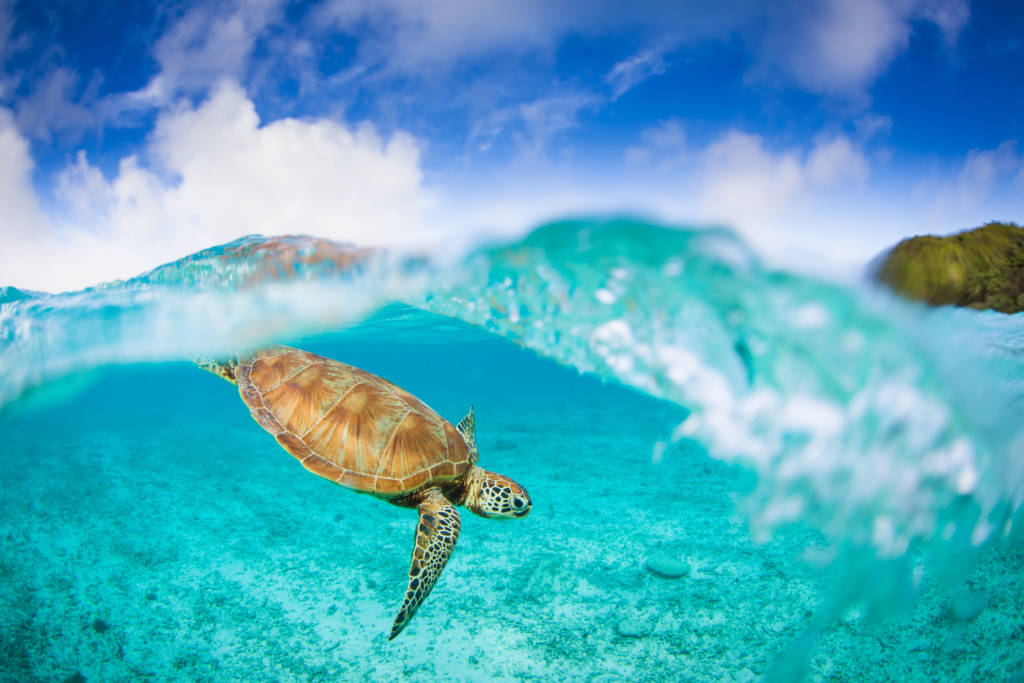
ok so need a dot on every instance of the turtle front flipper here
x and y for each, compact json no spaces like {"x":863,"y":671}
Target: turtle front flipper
{"x":436,"y":534}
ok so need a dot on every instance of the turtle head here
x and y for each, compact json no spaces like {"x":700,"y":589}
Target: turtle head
{"x":494,"y":495}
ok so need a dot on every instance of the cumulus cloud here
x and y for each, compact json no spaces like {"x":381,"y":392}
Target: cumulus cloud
{"x":825,"y":206}
{"x":786,"y":201}
{"x":744,"y":182}
{"x":744,"y":178}
{"x":214,"y":173}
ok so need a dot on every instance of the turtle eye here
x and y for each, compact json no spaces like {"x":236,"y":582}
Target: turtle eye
{"x":520,"y":506}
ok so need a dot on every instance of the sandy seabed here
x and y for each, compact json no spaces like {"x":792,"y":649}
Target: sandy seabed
{"x":150,"y":530}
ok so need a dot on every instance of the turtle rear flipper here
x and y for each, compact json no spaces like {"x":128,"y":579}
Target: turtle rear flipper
{"x":436,"y":533}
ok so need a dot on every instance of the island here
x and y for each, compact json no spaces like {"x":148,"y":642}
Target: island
{"x":980,"y":268}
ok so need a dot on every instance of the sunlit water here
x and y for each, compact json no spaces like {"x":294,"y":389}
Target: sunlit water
{"x":833,"y":477}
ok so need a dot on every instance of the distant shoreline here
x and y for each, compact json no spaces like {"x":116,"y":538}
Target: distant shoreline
{"x":981,"y":268}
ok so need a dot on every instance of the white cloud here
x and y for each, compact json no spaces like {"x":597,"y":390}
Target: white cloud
{"x":793,"y":205}
{"x":668,"y":134}
{"x":664,"y":144}
{"x":54,"y":105}
{"x":987,"y":185}
{"x":629,"y":73}
{"x":547,"y":116}
{"x":421,"y":37}
{"x":212,"y":172}
{"x":838,"y":47}
{"x":21,"y":219}
{"x":403,"y":51}
{"x":825,"y":46}
{"x":832,"y":47}
{"x":744,"y":183}
{"x":949,"y":15}
{"x":824,"y":207}
{"x":871,"y":125}
{"x":850,"y":43}
{"x":208,"y":43}
{"x":744,"y":178}
{"x":534,"y":122}
{"x":216,"y":174}
{"x":834,"y":160}
{"x":982,"y":169}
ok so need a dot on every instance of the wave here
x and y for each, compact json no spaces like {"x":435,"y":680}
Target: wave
{"x":881,"y":423}
{"x":861,"y":414}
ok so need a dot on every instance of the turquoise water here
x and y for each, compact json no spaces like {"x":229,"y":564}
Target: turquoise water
{"x":832,"y":478}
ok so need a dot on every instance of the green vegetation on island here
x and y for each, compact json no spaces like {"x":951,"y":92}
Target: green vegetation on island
{"x":980,"y":268}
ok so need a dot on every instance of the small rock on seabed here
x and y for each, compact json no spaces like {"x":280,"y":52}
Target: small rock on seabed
{"x":634,"y":627}
{"x":666,"y":566}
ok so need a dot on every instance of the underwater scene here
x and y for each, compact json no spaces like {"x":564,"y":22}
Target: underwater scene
{"x":735,"y":473}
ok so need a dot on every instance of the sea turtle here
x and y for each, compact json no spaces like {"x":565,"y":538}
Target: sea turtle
{"x":366,"y":434}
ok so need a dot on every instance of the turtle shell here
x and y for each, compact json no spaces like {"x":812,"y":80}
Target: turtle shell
{"x":348,"y":425}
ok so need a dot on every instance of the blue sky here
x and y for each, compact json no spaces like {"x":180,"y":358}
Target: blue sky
{"x":821,"y":131}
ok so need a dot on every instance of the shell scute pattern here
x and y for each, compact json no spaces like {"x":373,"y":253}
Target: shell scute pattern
{"x":348,"y":425}
{"x":302,"y":398}
{"x":352,"y":431}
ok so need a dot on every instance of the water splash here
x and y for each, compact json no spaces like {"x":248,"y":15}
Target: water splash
{"x":862,"y":415}
{"x":238,"y":295}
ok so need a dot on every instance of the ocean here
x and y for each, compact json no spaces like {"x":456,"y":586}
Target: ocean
{"x":737,"y":473}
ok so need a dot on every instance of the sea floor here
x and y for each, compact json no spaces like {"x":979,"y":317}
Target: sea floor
{"x":150,"y":530}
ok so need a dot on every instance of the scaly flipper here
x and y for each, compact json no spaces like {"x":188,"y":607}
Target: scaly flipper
{"x":435,"y":539}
